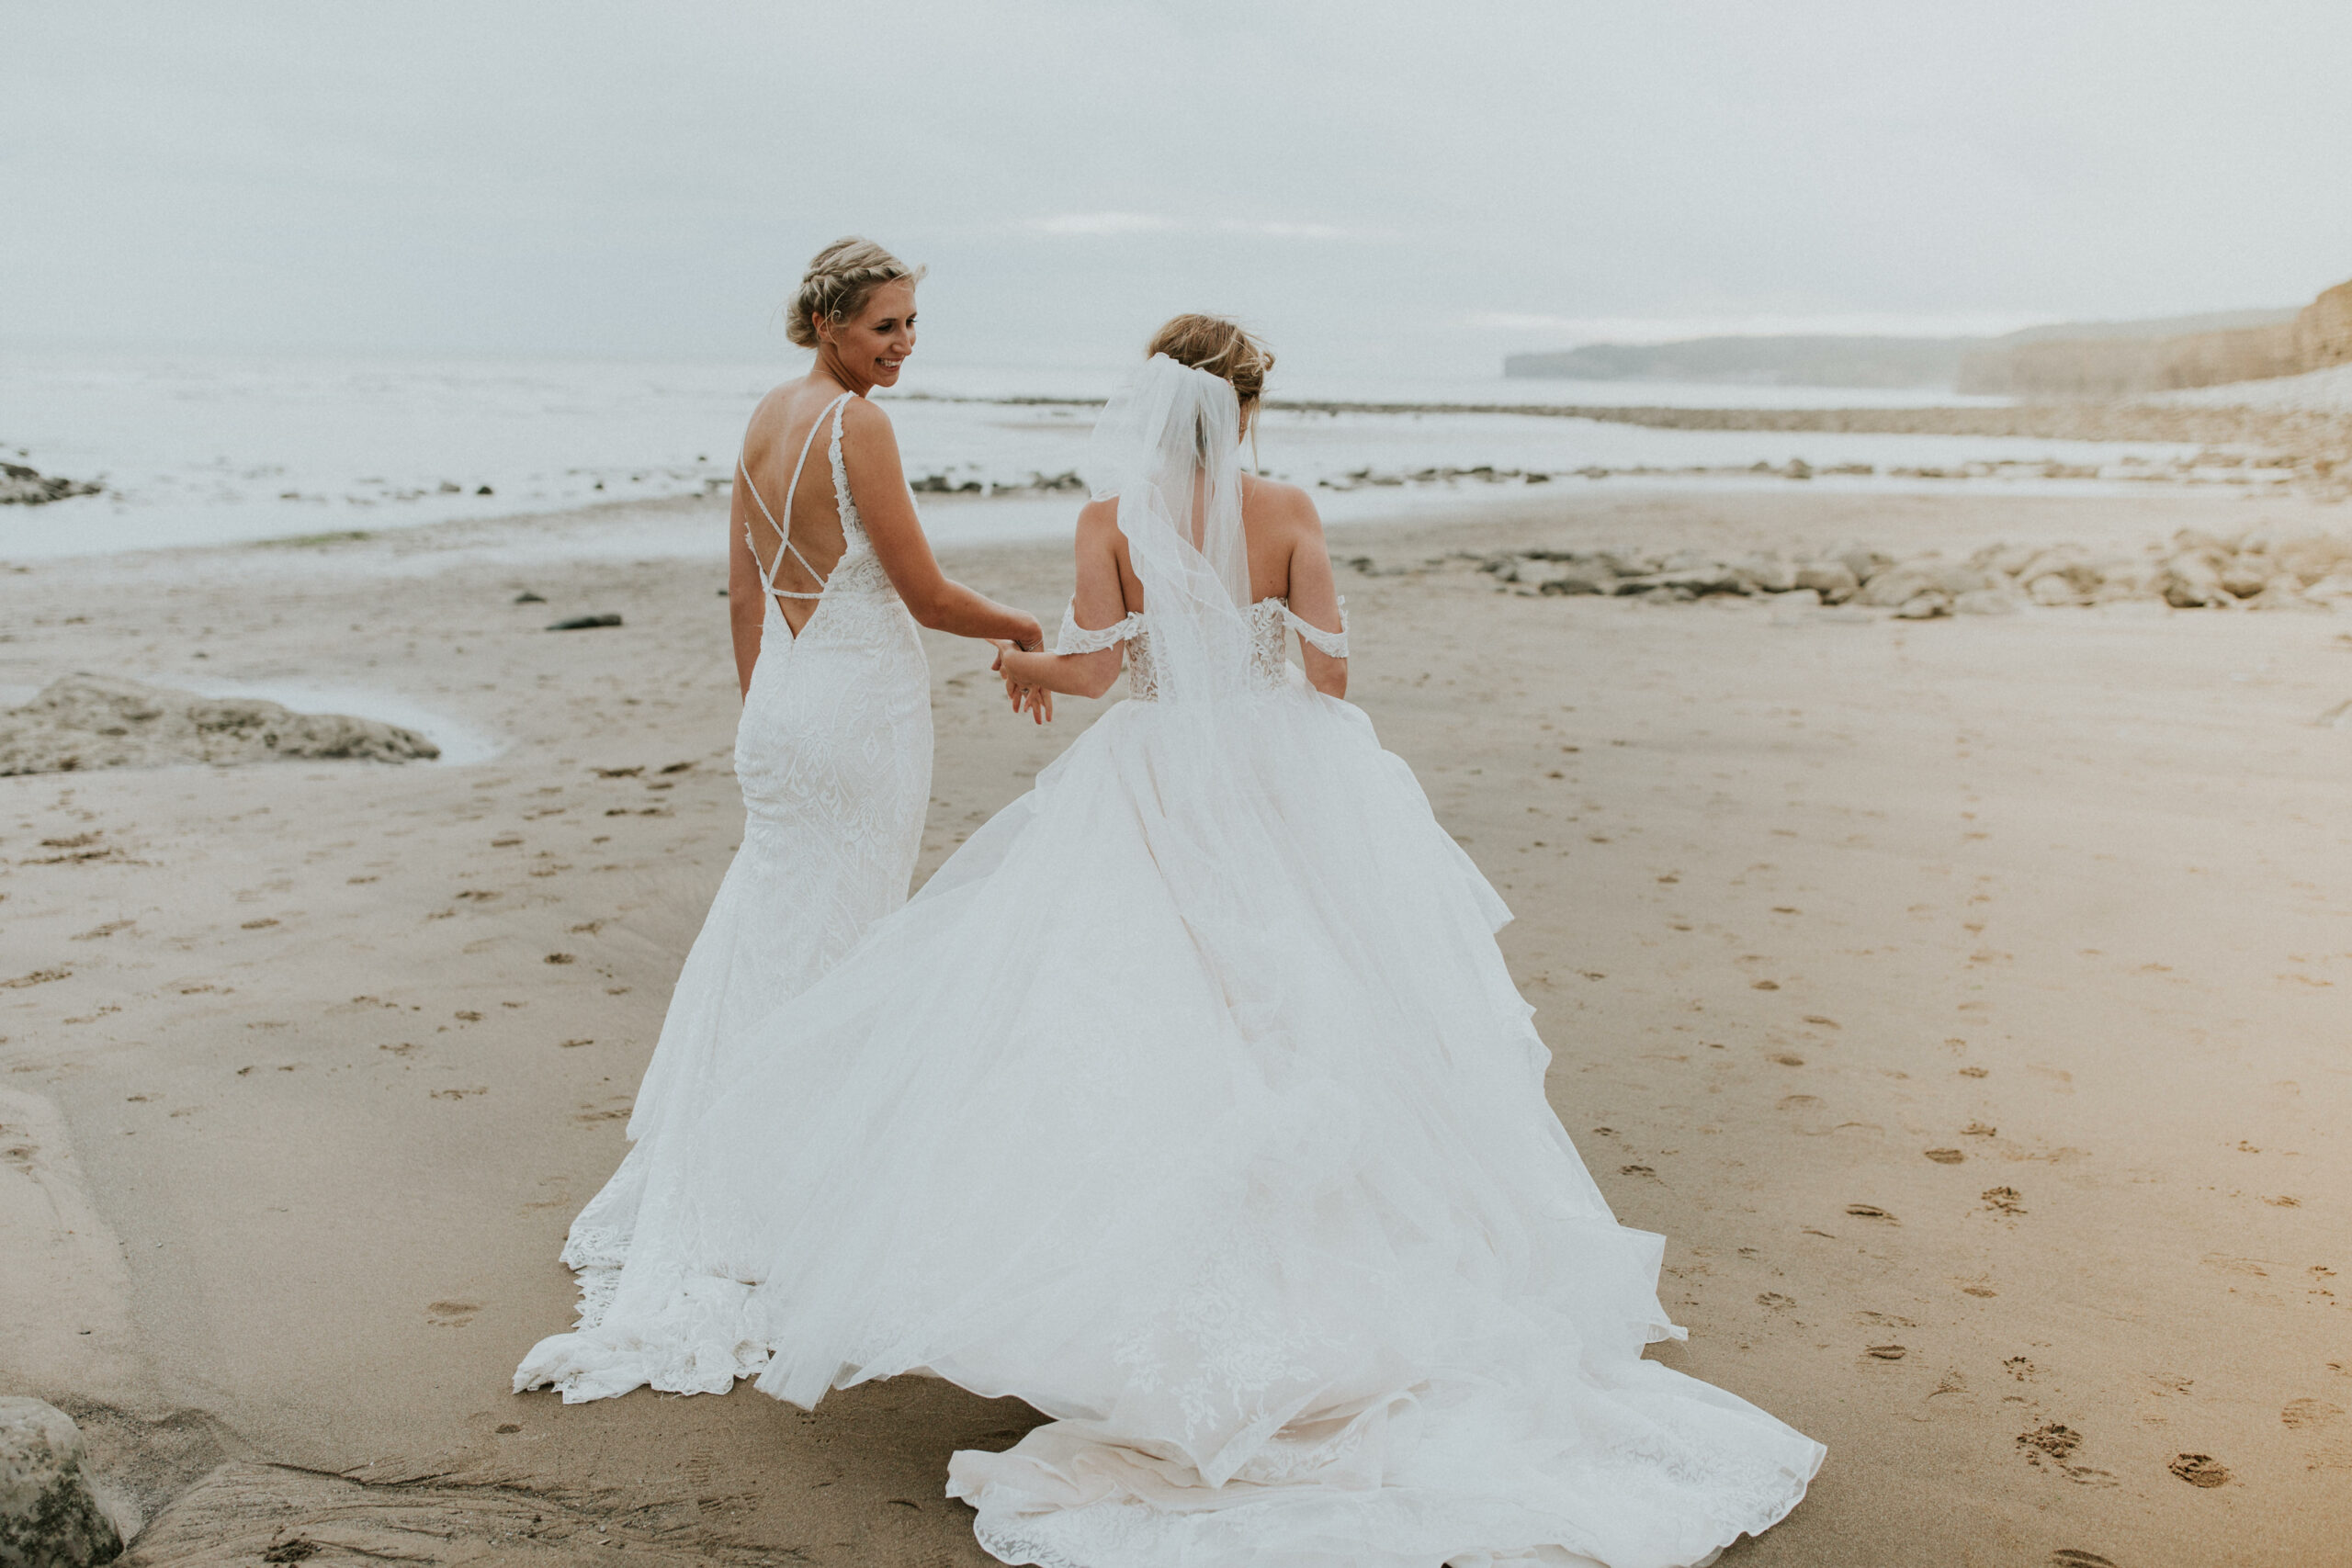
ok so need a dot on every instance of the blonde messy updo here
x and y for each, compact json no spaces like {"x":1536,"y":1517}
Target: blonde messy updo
{"x":1222,"y":348}
{"x":839,"y":281}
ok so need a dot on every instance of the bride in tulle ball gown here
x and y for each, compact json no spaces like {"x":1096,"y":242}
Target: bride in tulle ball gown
{"x":826,"y":587}
{"x":1192,"y":1103}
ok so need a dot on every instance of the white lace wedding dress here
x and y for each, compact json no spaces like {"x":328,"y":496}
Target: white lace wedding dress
{"x":833,"y":754}
{"x":1192,"y":1103}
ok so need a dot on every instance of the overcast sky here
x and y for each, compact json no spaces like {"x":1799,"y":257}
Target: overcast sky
{"x":1379,"y":186}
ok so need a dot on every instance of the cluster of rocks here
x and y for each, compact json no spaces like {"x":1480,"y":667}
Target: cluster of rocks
{"x":49,"y":1517}
{"x":2201,"y":467}
{"x":947,"y":484}
{"x":2193,"y":571}
{"x":84,"y":722}
{"x":20,"y":486}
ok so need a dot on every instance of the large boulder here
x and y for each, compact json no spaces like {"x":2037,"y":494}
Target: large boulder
{"x":2247,"y":576}
{"x":1899,"y":585}
{"x":2053,"y":588}
{"x":2127,"y":579}
{"x":1688,"y":579}
{"x":1925,"y":605}
{"x":2192,"y":582}
{"x":83,"y":722}
{"x":20,"y":486}
{"x":2284,"y":592}
{"x":2335,"y":590}
{"x":1833,"y":579}
{"x":48,"y":1518}
{"x":1863,"y":562}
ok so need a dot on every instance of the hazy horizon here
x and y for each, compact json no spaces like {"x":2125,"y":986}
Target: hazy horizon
{"x":1381,"y":189}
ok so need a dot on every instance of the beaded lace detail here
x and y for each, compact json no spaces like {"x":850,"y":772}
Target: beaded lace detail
{"x":1269,"y":666}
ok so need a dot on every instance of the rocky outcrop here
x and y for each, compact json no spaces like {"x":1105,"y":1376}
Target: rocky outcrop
{"x":49,"y":1517}
{"x":84,"y":722}
{"x":2103,"y":367}
{"x":2115,"y":365}
{"x":2192,"y":572}
{"x":20,"y":486}
{"x":2324,"y":329}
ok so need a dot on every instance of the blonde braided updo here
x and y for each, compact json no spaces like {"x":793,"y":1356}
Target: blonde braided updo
{"x":1221,"y":347}
{"x":839,"y":281}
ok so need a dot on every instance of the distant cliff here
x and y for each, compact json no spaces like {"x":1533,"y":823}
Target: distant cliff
{"x":2324,"y":329}
{"x":2049,"y":365}
{"x":2066,"y":363}
{"x":1760,"y":361}
{"x":2076,"y":360}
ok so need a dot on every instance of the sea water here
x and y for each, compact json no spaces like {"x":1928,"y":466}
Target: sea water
{"x":198,"y":450}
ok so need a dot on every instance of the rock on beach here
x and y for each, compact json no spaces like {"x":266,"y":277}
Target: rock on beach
{"x":20,"y":486}
{"x":84,"y":722}
{"x":48,"y":1518}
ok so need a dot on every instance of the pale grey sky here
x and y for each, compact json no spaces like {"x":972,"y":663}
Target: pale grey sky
{"x":1380,"y":186}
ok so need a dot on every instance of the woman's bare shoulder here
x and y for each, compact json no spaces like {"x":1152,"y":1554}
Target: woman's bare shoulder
{"x":1098,"y":517}
{"x":863,"y":414}
{"x":1280,"y":504}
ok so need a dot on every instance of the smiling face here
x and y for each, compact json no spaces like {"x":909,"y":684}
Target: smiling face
{"x":872,"y":345}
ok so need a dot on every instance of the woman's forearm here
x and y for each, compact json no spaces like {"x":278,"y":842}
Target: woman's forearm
{"x":1069,"y":674}
{"x":964,"y":611}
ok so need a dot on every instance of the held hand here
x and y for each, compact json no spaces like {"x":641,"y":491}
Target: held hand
{"x":1025,"y":695}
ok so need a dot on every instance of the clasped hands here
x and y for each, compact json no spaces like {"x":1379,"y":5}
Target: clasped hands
{"x":1027,"y":695}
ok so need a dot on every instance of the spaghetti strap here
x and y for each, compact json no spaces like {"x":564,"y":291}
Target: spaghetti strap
{"x":782,"y":530}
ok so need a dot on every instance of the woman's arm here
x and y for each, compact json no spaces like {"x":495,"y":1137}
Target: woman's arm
{"x":1098,"y":602}
{"x":745,"y":613}
{"x":877,"y":483}
{"x":1314,"y":598}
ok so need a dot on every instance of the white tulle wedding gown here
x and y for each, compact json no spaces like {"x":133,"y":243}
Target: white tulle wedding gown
{"x":833,"y":754}
{"x":1192,"y":1103}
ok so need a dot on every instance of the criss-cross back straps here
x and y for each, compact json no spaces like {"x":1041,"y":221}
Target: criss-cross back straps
{"x":784,"y":533}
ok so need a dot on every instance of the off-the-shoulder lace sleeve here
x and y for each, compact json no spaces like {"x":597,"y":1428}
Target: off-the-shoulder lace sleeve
{"x":1074,"y":638}
{"x":1333,"y":643}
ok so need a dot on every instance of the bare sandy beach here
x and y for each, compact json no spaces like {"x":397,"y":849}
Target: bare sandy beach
{"x":1965,"y":1000}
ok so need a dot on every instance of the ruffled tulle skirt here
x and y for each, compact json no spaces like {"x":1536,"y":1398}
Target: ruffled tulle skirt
{"x":1192,"y":1103}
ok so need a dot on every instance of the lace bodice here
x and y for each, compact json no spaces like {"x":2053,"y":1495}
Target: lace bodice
{"x":1269,"y":620}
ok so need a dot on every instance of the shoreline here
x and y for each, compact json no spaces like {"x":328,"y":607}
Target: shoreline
{"x":1804,"y":909}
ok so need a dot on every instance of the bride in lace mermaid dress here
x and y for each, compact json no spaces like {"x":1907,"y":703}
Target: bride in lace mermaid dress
{"x":1192,"y":1103}
{"x":833,"y":748}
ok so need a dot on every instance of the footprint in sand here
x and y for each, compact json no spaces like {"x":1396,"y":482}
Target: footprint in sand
{"x":1945,"y":1156}
{"x":2052,"y":1441}
{"x":1870,"y":1211}
{"x":2200,"y":1470}
{"x":2301,"y":1413}
{"x":2003,"y":1199}
{"x":2075,"y":1557}
{"x":451,"y":1315}
{"x":2055,"y":1445}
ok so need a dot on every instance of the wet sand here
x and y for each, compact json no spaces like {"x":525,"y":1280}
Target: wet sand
{"x":1964,"y":1000}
